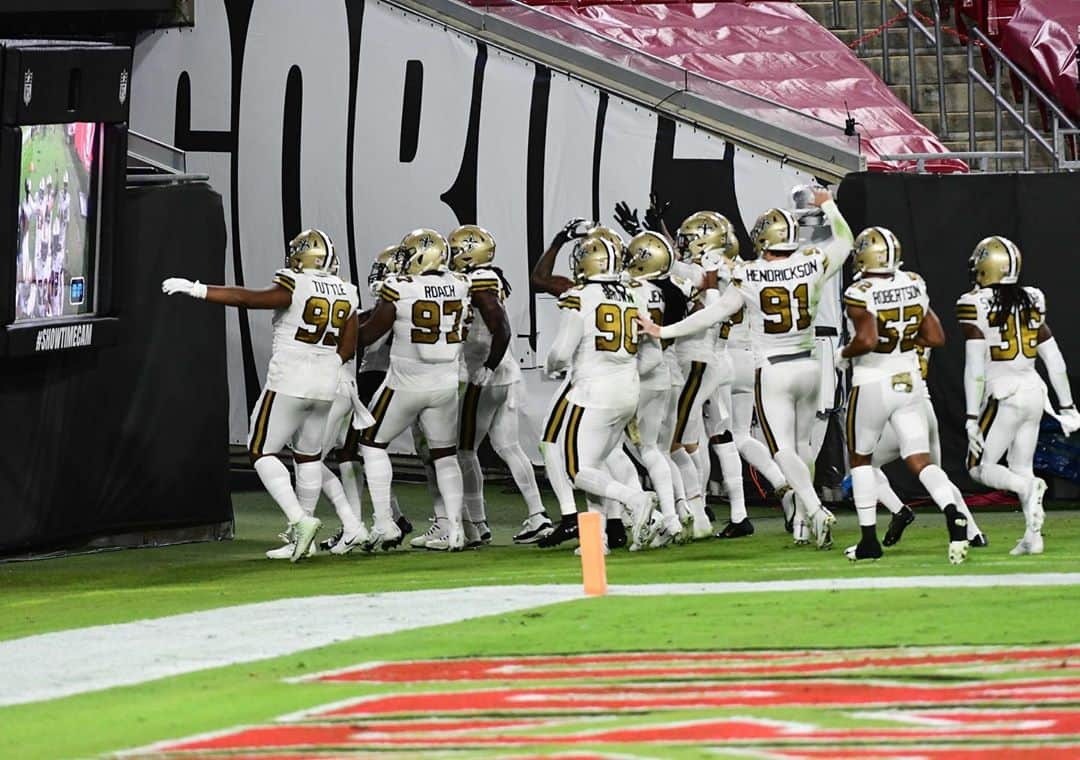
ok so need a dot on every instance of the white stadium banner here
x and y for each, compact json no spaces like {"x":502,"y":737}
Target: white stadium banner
{"x":366,"y":121}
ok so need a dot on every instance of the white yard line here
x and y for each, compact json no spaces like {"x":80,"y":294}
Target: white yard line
{"x":52,"y":665}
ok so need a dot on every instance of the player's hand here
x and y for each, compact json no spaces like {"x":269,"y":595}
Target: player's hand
{"x":175,"y":285}
{"x":627,"y":219}
{"x":648,"y":326}
{"x":840,"y":361}
{"x":654,"y":214}
{"x":482,"y":376}
{"x":1070,"y":421}
{"x":577,"y":227}
{"x":821,"y":196}
{"x":976,"y":442}
{"x":712,"y":260}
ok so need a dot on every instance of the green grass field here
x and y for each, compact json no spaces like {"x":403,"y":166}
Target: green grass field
{"x":114,"y":587}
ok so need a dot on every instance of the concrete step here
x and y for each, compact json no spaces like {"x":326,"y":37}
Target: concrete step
{"x":957,"y":121}
{"x":955,"y":66}
{"x":822,"y":11}
{"x":955,"y":97}
{"x":1039,"y":159}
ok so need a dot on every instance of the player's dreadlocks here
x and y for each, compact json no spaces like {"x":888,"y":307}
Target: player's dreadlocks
{"x":1007,"y":299}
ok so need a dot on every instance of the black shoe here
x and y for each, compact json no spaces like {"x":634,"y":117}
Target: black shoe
{"x":328,"y":544}
{"x":865,"y":549}
{"x":737,"y":529}
{"x":710,"y":514}
{"x":897,"y":524}
{"x":980,"y":541}
{"x":616,"y":534}
{"x":956,"y":523}
{"x":404,"y":526}
{"x":566,"y":530}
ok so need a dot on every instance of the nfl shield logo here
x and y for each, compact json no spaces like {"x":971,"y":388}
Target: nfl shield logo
{"x":123,"y":86}
{"x":28,"y":87}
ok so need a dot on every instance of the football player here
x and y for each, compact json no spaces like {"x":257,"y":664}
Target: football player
{"x":598,"y":342}
{"x":648,"y":259}
{"x":1004,"y":325}
{"x":780,"y":293}
{"x":315,"y":330}
{"x":891,"y":313}
{"x":425,"y":306}
{"x":492,"y":396}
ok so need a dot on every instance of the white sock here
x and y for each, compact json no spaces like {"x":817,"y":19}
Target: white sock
{"x":522,"y":471}
{"x":937,"y":484}
{"x":798,"y":477}
{"x":379,"y":473}
{"x":621,"y":467}
{"x":472,"y":479}
{"x":704,"y":468}
{"x":660,"y":474}
{"x":308,"y":485}
{"x":1001,"y":477}
{"x":602,"y":486}
{"x":275,"y":479}
{"x":864,"y":487}
{"x":731,"y":468}
{"x":690,"y":479}
{"x":559,"y":481}
{"x":961,"y":505}
{"x":352,"y":480}
{"x":676,"y":480}
{"x":757,"y":456}
{"x":885,"y":493}
{"x":335,"y":492}
{"x":448,"y":475}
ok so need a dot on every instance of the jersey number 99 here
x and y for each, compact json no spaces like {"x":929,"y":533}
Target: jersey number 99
{"x":427,"y":321}
{"x":618,"y":328}
{"x":325,"y":320}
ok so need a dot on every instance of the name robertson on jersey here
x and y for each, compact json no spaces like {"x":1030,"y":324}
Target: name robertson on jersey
{"x":68,"y":336}
{"x":795,"y":272}
{"x":439,"y":291}
{"x":909,"y":292}
{"x":328,"y":288}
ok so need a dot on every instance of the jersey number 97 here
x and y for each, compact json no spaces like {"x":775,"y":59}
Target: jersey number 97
{"x":427,"y":321}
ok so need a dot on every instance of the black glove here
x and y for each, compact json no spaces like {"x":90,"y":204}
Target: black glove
{"x":576,"y":228}
{"x":627,"y":219}
{"x":654,"y":215}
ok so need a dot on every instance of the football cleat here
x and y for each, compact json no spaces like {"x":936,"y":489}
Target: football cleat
{"x":897,"y":524}
{"x":382,"y":536}
{"x":437,"y":530}
{"x":787,"y":503}
{"x":641,"y":515}
{"x":800,"y":532}
{"x":709,"y":513}
{"x":864,"y":550}
{"x":349,"y":541}
{"x":404,"y":525}
{"x":979,"y":541}
{"x":476,"y":534}
{"x":737,"y":529}
{"x":615,"y":533}
{"x":566,"y":530}
{"x":958,"y":551}
{"x":304,"y":529}
{"x":1033,"y":505}
{"x":285,"y":551}
{"x":1031,"y":543}
{"x":535,"y":527}
{"x":821,"y":524}
{"x":328,"y":543}
{"x":455,"y":536}
{"x":669,"y":531}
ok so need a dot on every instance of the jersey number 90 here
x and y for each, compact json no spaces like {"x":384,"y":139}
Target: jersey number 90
{"x":618,"y":328}
{"x":325,"y":320}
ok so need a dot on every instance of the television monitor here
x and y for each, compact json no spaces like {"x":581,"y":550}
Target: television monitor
{"x":58,"y":193}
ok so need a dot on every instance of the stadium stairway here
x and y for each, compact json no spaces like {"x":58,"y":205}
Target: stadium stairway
{"x":954,"y":131}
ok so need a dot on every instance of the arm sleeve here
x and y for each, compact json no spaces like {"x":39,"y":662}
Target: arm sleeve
{"x":974,"y":375}
{"x":839,"y":248}
{"x":1056,"y":371}
{"x":727,"y":305}
{"x":687,"y":272}
{"x":562,"y":350}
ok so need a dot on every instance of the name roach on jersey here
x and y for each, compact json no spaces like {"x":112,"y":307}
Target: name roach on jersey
{"x":439,"y":291}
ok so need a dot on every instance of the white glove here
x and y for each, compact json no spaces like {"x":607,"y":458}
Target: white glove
{"x":976,"y":442}
{"x":712,"y":260}
{"x":361,"y":417}
{"x":174,"y":285}
{"x":1069,"y":420}
{"x":840,"y":361}
{"x":482,"y":376}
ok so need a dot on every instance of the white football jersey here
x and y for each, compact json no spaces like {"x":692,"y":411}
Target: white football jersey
{"x":1011,"y":349}
{"x":478,"y":341}
{"x":900,"y":304}
{"x":429,"y":331}
{"x":781,"y":297}
{"x":304,"y":362}
{"x":650,"y":353}
{"x":604,"y":363}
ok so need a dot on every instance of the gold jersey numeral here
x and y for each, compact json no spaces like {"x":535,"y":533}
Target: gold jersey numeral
{"x":896,"y":327}
{"x":776,"y":301}
{"x":618,"y":328}
{"x":427,"y":321}
{"x":324,"y":319}
{"x":1017,"y":336}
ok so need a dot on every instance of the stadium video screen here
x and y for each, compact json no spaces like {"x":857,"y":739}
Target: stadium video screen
{"x":57,"y":193}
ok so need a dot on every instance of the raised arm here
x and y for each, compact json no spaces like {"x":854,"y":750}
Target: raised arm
{"x":542,"y":279}
{"x":839,"y":248}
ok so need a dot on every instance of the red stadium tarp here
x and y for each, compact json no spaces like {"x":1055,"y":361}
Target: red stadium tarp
{"x":1041,"y":39}
{"x":771,"y":49}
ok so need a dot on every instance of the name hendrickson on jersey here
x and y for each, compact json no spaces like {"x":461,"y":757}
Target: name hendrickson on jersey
{"x":328,"y":288}
{"x":802,"y":269}
{"x":439,"y":291}
{"x":896,"y":294}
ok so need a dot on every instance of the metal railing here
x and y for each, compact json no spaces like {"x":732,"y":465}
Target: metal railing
{"x":931,"y":35}
{"x":627,"y":71}
{"x":984,"y":157}
{"x":1061,"y":125}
